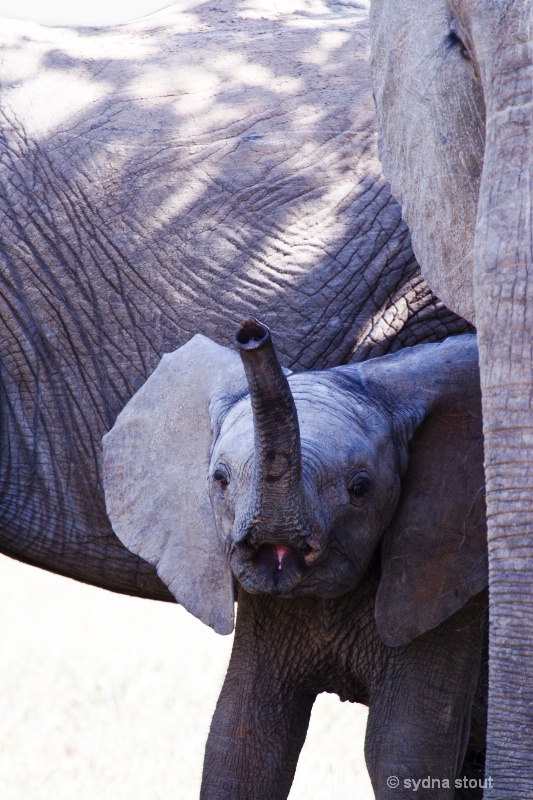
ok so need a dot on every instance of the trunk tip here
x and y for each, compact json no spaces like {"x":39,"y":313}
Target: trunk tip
{"x":252,"y":335}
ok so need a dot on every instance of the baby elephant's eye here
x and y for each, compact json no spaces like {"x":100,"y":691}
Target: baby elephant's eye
{"x":221,"y":477}
{"x":359,"y":488}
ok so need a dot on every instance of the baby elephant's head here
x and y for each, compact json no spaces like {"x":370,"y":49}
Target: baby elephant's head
{"x":225,"y":468}
{"x":304,"y":473}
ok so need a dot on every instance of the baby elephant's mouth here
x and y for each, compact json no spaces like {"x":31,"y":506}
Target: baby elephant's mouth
{"x":277,"y":556}
{"x":281,"y":551}
{"x":273,"y":568}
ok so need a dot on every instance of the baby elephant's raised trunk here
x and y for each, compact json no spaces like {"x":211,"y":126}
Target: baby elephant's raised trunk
{"x":277,"y":485}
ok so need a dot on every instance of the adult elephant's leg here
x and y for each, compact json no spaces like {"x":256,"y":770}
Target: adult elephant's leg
{"x":261,"y":718}
{"x":504,"y":308}
{"x":420,"y":705}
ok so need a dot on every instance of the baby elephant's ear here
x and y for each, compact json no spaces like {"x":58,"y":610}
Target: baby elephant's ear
{"x":156,"y":459}
{"x":434,"y":552}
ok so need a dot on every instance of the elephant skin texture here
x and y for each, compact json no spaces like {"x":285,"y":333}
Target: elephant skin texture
{"x":166,"y":178}
{"x":344,"y":510}
{"x":453,"y":83}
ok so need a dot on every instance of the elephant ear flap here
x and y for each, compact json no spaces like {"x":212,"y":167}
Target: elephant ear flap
{"x":156,"y":459}
{"x":434,"y":552}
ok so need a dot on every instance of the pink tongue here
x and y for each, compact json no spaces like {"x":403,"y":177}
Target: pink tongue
{"x":280,"y":549}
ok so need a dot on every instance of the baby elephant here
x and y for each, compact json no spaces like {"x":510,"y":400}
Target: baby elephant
{"x":236,"y":478}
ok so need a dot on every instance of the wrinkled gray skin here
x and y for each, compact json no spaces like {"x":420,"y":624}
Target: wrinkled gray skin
{"x":453,"y":83}
{"x":165,"y":178}
{"x":225,"y":474}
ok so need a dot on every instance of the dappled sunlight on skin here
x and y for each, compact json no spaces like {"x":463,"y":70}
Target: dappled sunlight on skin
{"x":255,"y":8}
{"x":169,"y":93}
{"x":48,"y":82}
{"x":330,"y":41}
{"x":71,"y":98}
{"x":208,"y":89}
{"x":231,"y":64}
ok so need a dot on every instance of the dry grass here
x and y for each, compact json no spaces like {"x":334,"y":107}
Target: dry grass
{"x":107,"y":697}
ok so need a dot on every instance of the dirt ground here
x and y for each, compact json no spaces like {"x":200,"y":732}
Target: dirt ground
{"x":106,"y":697}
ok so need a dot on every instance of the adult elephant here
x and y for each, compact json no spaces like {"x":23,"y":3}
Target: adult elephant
{"x":165,"y":178}
{"x":453,"y":83}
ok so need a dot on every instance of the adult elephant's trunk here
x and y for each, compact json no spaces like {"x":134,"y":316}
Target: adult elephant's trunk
{"x":277,"y":483}
{"x":504,"y":314}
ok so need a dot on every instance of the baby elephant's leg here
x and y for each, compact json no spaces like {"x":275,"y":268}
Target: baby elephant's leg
{"x":261,"y":718}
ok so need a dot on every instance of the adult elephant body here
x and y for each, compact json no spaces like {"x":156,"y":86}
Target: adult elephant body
{"x":171,"y":177}
{"x":454,"y":90}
